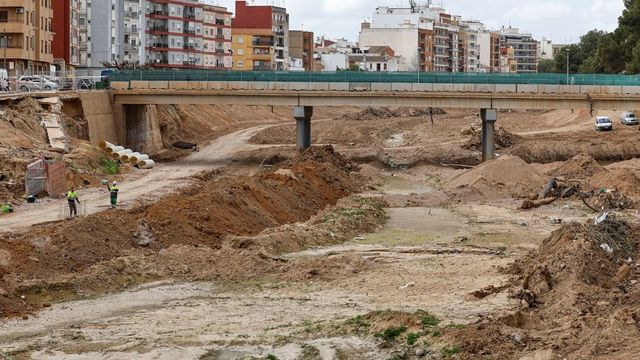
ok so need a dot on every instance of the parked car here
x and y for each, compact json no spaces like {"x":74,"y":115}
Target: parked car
{"x":35,"y":83}
{"x":603,"y":123}
{"x":629,"y":118}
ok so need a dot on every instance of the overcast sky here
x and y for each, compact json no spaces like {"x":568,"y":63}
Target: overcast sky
{"x":560,"y":20}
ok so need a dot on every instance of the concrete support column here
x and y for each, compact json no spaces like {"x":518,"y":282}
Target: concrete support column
{"x":489,"y":118}
{"x":303,"y":116}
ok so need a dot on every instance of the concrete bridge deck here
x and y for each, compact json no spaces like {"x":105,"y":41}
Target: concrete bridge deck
{"x":477,"y":100}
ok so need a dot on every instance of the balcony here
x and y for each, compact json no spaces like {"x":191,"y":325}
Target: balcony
{"x":160,"y":13}
{"x":14,"y":27}
{"x":263,"y":43}
{"x":190,"y":63}
{"x":262,"y":67}
{"x":279,"y":33}
{"x":219,"y":21}
{"x":131,"y":14}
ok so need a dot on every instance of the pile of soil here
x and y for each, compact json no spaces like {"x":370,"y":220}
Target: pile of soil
{"x":580,"y":167}
{"x":623,"y":180}
{"x":374,"y":113}
{"x":209,"y":222}
{"x":578,"y":295}
{"x":505,"y":176}
{"x":503,"y":138}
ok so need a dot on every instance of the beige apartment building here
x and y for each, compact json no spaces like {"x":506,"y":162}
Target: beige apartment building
{"x":26,"y":36}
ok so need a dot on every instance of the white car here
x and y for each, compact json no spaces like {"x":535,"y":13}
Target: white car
{"x":629,"y":118}
{"x":35,"y":83}
{"x":603,"y":123}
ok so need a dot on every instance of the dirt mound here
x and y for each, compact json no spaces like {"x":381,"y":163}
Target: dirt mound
{"x":503,"y":138}
{"x":217,"y":215}
{"x":508,"y":175}
{"x":578,"y":294}
{"x":581,"y":166}
{"x":374,"y":113}
{"x":623,"y":180}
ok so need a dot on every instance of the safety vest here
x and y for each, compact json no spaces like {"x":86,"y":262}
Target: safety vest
{"x":72,"y":196}
{"x":113,"y":189}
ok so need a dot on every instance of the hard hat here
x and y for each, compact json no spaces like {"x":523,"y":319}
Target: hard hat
{"x":115,"y":183}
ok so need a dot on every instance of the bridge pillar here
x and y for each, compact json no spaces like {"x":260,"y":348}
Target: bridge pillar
{"x":489,"y":118}
{"x":303,"y":116}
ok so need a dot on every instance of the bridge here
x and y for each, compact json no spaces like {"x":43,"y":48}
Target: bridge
{"x":303,"y":97}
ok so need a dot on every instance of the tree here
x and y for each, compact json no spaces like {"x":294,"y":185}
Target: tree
{"x":547,"y":66}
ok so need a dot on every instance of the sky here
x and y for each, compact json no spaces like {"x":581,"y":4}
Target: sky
{"x":559,"y":20}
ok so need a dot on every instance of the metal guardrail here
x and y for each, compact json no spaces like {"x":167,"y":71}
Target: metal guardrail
{"x":376,"y":77}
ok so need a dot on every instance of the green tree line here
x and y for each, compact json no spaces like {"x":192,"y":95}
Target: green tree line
{"x":601,"y":52}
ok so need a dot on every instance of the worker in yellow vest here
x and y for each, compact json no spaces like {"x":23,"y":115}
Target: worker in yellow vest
{"x":72,"y":199}
{"x":113,"y":190}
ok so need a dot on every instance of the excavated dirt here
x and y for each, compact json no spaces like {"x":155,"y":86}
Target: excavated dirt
{"x":210,"y":229}
{"x":579,"y":167}
{"x":578,"y":301}
{"x":508,"y":176}
{"x":623,"y":180}
{"x":372,"y":113}
{"x":503,"y":138}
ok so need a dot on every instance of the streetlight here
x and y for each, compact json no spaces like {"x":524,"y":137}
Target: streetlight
{"x":6,"y":44}
{"x":568,"y":65}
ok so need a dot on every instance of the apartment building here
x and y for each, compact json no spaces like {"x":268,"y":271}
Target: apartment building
{"x":525,"y":49}
{"x":27,"y":36}
{"x":101,"y":23}
{"x":301,"y":47}
{"x":260,"y":37}
{"x":174,"y":34}
{"x":132,"y":35}
{"x":487,"y":44}
{"x":66,"y":39}
{"x":425,"y":38}
{"x":217,"y":38}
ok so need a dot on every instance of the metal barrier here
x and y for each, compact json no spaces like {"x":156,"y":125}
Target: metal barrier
{"x":375,"y":77}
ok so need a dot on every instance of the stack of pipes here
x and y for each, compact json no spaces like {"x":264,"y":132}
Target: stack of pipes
{"x":127,"y":156}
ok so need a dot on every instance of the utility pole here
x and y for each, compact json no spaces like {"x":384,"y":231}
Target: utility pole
{"x":568,"y":54}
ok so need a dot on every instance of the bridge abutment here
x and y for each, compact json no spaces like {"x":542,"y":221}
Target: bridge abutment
{"x":489,"y":118}
{"x":303,"y":115}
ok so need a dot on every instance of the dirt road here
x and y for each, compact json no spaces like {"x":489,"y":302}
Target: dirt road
{"x":164,"y":178}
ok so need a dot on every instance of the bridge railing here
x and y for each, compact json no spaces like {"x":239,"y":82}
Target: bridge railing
{"x":375,"y":77}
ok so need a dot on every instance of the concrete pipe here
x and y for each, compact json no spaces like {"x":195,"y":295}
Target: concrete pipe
{"x":124,"y":158}
{"x":130,"y":158}
{"x":134,"y":159}
{"x":118,"y":155}
{"x":146,"y":164}
{"x":113,"y":149}
{"x":104,"y":144}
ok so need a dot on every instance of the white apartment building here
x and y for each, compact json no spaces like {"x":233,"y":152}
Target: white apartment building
{"x":162,"y":33}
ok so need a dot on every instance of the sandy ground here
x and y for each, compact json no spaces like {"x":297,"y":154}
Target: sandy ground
{"x":432,"y":254}
{"x":164,"y":178}
{"x":426,"y":257}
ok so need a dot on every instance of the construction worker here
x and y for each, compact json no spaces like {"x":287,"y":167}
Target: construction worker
{"x":113,"y":189}
{"x":72,"y":199}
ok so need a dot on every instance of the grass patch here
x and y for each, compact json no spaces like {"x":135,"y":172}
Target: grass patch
{"x":271,"y":357}
{"x":428,"y":321}
{"x":109,"y":167}
{"x":448,"y":352}
{"x":412,"y":338}
{"x":436,"y":333}
{"x":391,"y":333}
{"x":309,"y":352}
{"x":358,"y":323}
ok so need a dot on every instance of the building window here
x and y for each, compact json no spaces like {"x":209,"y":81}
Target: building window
{"x":240,"y":52}
{"x":4,"y":16}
